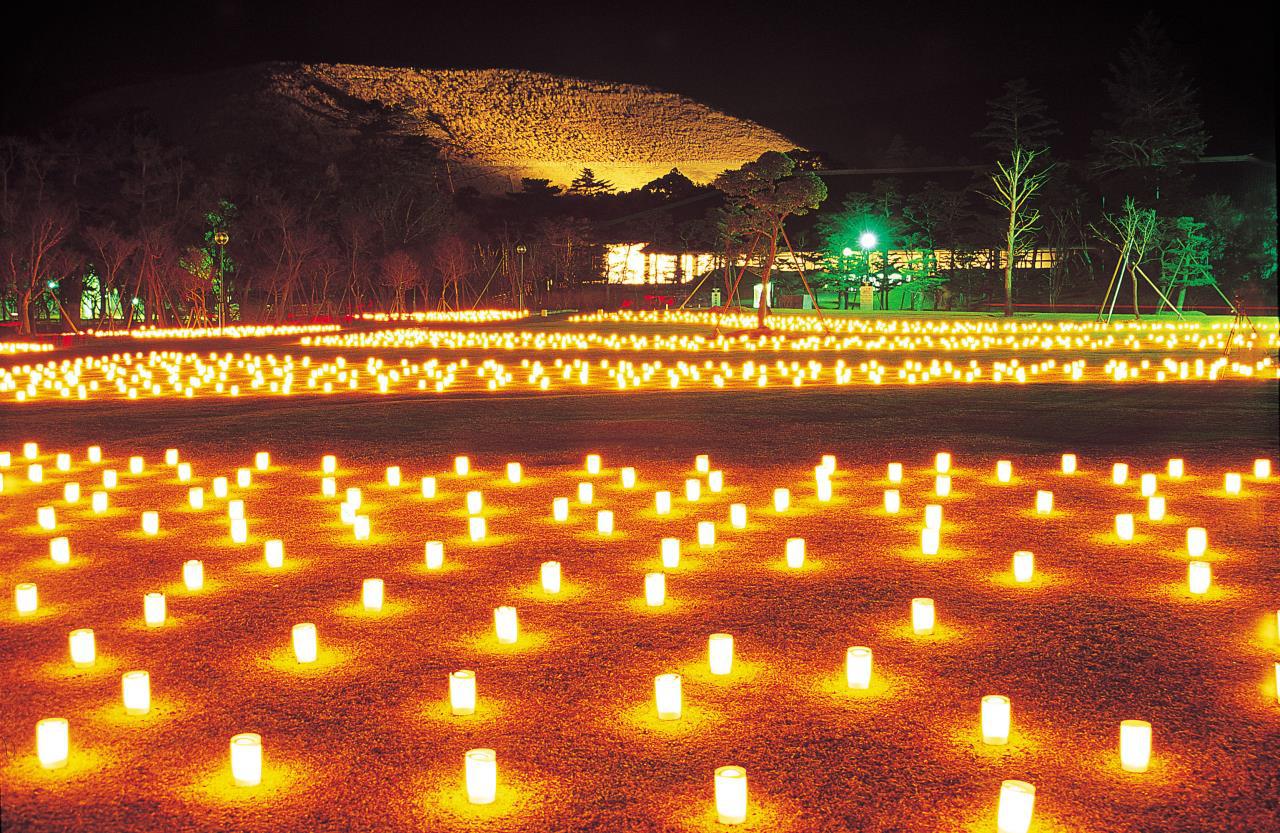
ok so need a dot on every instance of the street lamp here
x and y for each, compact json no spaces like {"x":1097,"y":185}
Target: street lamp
{"x":220,"y":239}
{"x":867,"y":241}
{"x":520,"y":250}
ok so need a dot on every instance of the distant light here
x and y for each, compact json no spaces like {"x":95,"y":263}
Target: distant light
{"x":867,"y":240}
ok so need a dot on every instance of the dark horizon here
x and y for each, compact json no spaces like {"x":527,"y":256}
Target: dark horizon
{"x":816,"y":76}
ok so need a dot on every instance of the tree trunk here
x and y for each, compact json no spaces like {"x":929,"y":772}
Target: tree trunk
{"x":762,"y":309}
{"x":1008,"y":266}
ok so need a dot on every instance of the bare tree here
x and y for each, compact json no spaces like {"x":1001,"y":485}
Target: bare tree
{"x":401,"y":273}
{"x":1015,"y":185}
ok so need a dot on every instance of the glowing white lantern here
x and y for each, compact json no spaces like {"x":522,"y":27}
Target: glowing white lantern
{"x":1119,"y":473}
{"x":942,"y":485}
{"x":1069,"y":464}
{"x":235,"y":509}
{"x":475,"y":502}
{"x":1124,"y":527}
{"x":929,"y":541}
{"x":98,"y":502}
{"x":628,"y":475}
{"x":476,"y":528}
{"x":371,"y":594}
{"x":462,"y":692}
{"x":193,"y":574}
{"x":829,"y":463}
{"x":586,"y":493}
{"x":1017,"y":802}
{"x":71,"y":492}
{"x":1135,"y":745}
{"x":135,"y":690}
{"x":435,"y":555}
{"x":604,"y":522}
{"x":715,"y":481}
{"x":461,"y":465}
{"x":857,"y":667}
{"x":692,"y":489}
{"x":153,"y":609}
{"x":1199,"y":577}
{"x":662,"y":503}
{"x":95,"y":454}
{"x":328,"y":464}
{"x":30,"y":450}
{"x":195,"y":497}
{"x":1155,"y":508}
{"x":795,"y":553}
{"x":136,"y":465}
{"x":560,"y":509}
{"x":273,"y":551}
{"x":354,"y":497}
{"x":667,"y":696}
{"x":360,"y":526}
{"x":60,"y":550}
{"x":550,"y":576}
{"x":184,"y":472}
{"x":110,"y":479}
{"x":995,"y":719}
{"x":738,"y":515}
{"x":506,"y":625}
{"x":151,"y":522}
{"x":305,"y":643}
{"x":720,"y":653}
{"x":1044,"y":502}
{"x":942,"y":462}
{"x":243,"y":478}
{"x":731,"y":794}
{"x":481,"y":771}
{"x":670,"y":551}
{"x":262,"y":460}
{"x":1024,"y":566}
{"x":428,"y":487}
{"x":6,"y":459}
{"x":53,"y":742}
{"x":83,"y":649}
{"x":1261,"y":469}
{"x":702,"y":463}
{"x":1004,"y":471}
{"x":655,"y":589}
{"x":63,"y":462}
{"x":892,"y":501}
{"x":933,"y":516}
{"x":25,"y":598}
{"x":220,"y":487}
{"x":246,"y":759}
{"x":171,"y":456}
{"x":1197,"y":541}
{"x":1231,"y":482}
{"x":393,"y":476}
{"x":514,"y":472}
{"x":781,"y":499}
{"x":240,"y":530}
{"x":35,"y":473}
{"x":1147,"y":483}
{"x":922,"y":616}
{"x":824,"y":491}
{"x":706,"y":534}
{"x":46,"y":518}
{"x":328,"y":486}
{"x":895,"y":473}
{"x":593,"y":464}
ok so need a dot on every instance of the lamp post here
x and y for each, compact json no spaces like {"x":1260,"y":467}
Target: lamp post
{"x":844,"y":288}
{"x":520,"y":250}
{"x":220,"y":239}
{"x":867,"y":242}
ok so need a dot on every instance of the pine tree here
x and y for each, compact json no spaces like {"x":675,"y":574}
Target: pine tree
{"x":1018,"y":118}
{"x":587,"y":185}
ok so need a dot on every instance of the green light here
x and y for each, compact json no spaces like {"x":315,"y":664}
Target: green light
{"x":52,"y":284}
{"x":848,"y":252}
{"x":867,"y":240}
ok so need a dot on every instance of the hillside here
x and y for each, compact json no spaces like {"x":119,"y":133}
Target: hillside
{"x":492,"y":126}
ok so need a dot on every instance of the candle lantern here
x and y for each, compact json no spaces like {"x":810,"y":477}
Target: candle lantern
{"x":895,"y":473}
{"x":1135,"y":745}
{"x":135,"y":689}
{"x":1176,"y":468}
{"x":1124,"y":527}
{"x":702,"y":463}
{"x":670,"y":552}
{"x":1231,"y":482}
{"x":53,"y":742}
{"x":95,"y":454}
{"x":246,"y":759}
{"x":922,"y":616}
{"x":731,"y":794}
{"x":933,"y":516}
{"x":1069,"y":464}
{"x":506,"y":625}
{"x":560,"y":509}
{"x":244,"y":477}
{"x":220,"y":487}
{"x":60,"y":550}
{"x":371,"y":591}
{"x":462,"y":693}
{"x":135,"y":465}
{"x":481,"y":773}
{"x":98,"y":502}
{"x":153,"y":609}
{"x":628,"y":476}
{"x":83,"y":650}
{"x":706,"y":534}
{"x":715,"y":481}
{"x":929,"y":541}
{"x":1017,"y":801}
{"x":305,"y":643}
{"x":692,"y":489}
{"x":151,"y":522}
{"x":434,"y":555}
{"x":604,"y":522}
{"x":655,"y":589}
{"x":942,"y":485}
{"x":195,"y":497}
{"x":550,"y":576}
{"x":514,"y":472}
{"x":476,"y":527}
{"x":328,"y":464}
{"x":781,"y":499}
{"x":475,"y":502}
{"x":1261,"y":469}
{"x":720,"y":653}
{"x":25,"y":598}
{"x":273,"y":551}
{"x":942,"y":462}
{"x":1197,"y":541}
{"x":857,"y":667}
{"x":995,"y":719}
{"x":1004,"y":471}
{"x":262,"y":460}
{"x":667,"y":696}
{"x":738,"y":515}
{"x":795,"y":553}
{"x":593,"y":464}
{"x":46,"y":518}
{"x":461,"y":465}
{"x":662,"y":502}
{"x":1199,"y":577}
{"x":892,"y":501}
{"x":193,"y":575}
{"x":586,"y":493}
{"x":1119,"y":473}
{"x":428,"y":487}
{"x":393,"y":476}
{"x":1024,"y":565}
{"x":1155,"y":508}
{"x":1044,"y":502}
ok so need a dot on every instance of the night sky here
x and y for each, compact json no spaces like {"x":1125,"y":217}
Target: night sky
{"x":843,"y":80}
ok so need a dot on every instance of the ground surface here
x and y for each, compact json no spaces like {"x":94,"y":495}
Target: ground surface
{"x":1107,"y":631}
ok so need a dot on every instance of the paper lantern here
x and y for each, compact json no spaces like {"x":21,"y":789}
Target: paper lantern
{"x":305,"y":645}
{"x":514,"y":472}
{"x":95,"y":454}
{"x":930,"y":538}
{"x":1176,"y":468}
{"x":262,"y":460}
{"x":153,"y":609}
{"x":83,"y":649}
{"x":550,"y":575}
{"x":371,"y":594}
{"x":738,"y":515}
{"x":98,"y":502}
{"x":475,"y":502}
{"x":892,"y":501}
{"x":995,"y":720}
{"x":604,"y":522}
{"x":655,"y":589}
{"x":476,"y":527}
{"x":71,"y":492}
{"x":506,"y":625}
{"x":428,"y":487}
{"x":586,"y":493}
{"x":857,"y":667}
{"x":593,"y":464}
{"x":135,"y":689}
{"x":393,"y":476}
{"x":60,"y":550}
{"x":1024,"y":565}
{"x":461,"y":465}
{"x":1261,"y":469}
{"x":1147,"y":484}
{"x":1017,"y":802}
{"x":246,"y":759}
{"x":434,"y":555}
{"x":30,"y":451}
{"x":628,"y":475}
{"x":6,"y":459}
{"x":829,"y":463}
{"x":328,"y":464}
{"x":1199,"y":577}
{"x":53,"y":742}
{"x":1069,"y":464}
{"x":1197,"y":541}
{"x":667,"y":696}
{"x":731,"y":794}
{"x":25,"y":598}
{"x":184,"y":472}
{"x":715,"y":481}
{"x":462,"y":692}
{"x":135,"y":465}
{"x":1231,"y":482}
{"x":1044,"y":502}
{"x":706,"y":534}
{"x":46,"y":518}
{"x":942,"y":462}
{"x":195,"y":497}
{"x":244,"y":477}
{"x":895,"y":473}
{"x":560,"y":509}
{"x":692,"y":489}
{"x":720,"y":653}
{"x":193,"y":575}
{"x":922,"y":616}
{"x":481,"y":772}
{"x":354,"y":497}
{"x":933,"y":516}
{"x":1119,"y":473}
{"x":220,"y":487}
{"x":824,"y":491}
{"x":273,"y":551}
{"x":235,"y":509}
{"x":1004,"y":471}
{"x":942,"y":485}
{"x":240,"y":530}
{"x":35,"y":473}
{"x":795,"y":553}
{"x":347,"y":513}
{"x":669,"y":549}
{"x":1155,"y":508}
{"x":1124,"y":527}
{"x":110,"y":478}
{"x":151,"y":523}
{"x":662,"y":503}
{"x":1135,"y":745}
{"x":702,"y":463}
{"x":781,"y":499}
